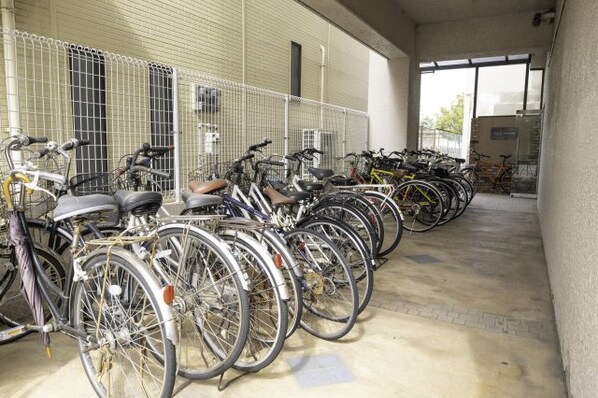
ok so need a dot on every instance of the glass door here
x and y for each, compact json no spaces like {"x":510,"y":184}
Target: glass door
{"x":527,"y":162}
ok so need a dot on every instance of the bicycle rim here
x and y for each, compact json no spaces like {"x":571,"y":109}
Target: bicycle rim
{"x":116,"y":306}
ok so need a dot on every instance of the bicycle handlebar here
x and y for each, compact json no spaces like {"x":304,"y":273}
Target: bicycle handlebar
{"x":264,"y":143}
{"x":155,"y":172}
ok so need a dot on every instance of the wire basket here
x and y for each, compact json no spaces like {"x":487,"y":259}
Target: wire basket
{"x":93,"y":183}
{"x":208,"y":171}
{"x":237,"y":173}
{"x":272,"y":175}
{"x":38,"y":202}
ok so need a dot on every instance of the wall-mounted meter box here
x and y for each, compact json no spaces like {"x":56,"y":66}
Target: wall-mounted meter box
{"x":206,"y":99}
{"x":212,"y":142}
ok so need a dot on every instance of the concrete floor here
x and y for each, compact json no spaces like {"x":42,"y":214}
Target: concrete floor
{"x":460,"y":311}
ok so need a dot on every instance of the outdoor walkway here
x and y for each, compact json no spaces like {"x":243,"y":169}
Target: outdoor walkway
{"x":460,"y":311}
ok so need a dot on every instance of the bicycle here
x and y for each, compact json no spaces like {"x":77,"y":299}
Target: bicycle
{"x":503,"y":176}
{"x":115,"y":308}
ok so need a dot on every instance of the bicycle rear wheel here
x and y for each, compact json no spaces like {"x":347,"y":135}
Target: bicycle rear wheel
{"x":129,"y":349}
{"x":330,"y":300}
{"x":353,"y":250}
{"x":354,"y":218}
{"x":392,"y":219}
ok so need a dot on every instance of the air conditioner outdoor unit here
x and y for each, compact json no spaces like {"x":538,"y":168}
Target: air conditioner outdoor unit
{"x":325,"y":141}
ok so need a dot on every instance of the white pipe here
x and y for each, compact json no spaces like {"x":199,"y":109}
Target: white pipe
{"x":176,"y":132}
{"x":10,"y":66}
{"x":322,"y":65}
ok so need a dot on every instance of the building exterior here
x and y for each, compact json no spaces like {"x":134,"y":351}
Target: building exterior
{"x":247,"y":41}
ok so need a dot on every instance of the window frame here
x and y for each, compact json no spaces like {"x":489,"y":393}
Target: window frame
{"x":295,"y":67}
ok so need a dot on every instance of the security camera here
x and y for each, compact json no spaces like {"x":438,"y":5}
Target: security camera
{"x":546,"y":16}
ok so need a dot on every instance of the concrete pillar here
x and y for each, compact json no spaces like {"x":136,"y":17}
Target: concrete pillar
{"x":388,"y":102}
{"x":414,"y":98}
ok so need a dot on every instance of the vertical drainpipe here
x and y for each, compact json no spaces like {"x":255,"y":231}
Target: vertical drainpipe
{"x":243,"y":76}
{"x":322,"y":65}
{"x":10,"y":66}
{"x":177,"y":137}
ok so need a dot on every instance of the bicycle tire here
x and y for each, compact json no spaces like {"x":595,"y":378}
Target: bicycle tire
{"x":267,"y":307}
{"x":420,"y":203}
{"x":330,"y":300}
{"x":451,"y":202}
{"x":14,"y":310}
{"x":353,"y":250}
{"x":466,"y":184}
{"x":370,"y":211}
{"x":211,"y":305}
{"x":505,"y":180}
{"x":352,"y":217}
{"x":391,"y":218}
{"x":123,"y":362}
{"x":461,"y":195}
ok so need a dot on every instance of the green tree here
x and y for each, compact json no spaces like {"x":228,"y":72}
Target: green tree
{"x":451,"y":119}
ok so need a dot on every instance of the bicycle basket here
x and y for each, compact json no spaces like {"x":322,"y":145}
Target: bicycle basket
{"x":272,"y":175}
{"x":208,"y":171}
{"x":37,"y":202}
{"x":237,"y":174}
{"x":92,"y":183}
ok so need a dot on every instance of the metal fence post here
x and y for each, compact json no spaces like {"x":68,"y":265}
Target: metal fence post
{"x":176,"y":133}
{"x":286,"y":124}
{"x":344,"y":142}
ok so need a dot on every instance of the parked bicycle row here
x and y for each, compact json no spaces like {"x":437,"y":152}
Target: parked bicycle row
{"x":427,"y":188}
{"x":221,"y":285}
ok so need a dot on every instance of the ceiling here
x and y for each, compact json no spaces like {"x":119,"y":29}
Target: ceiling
{"x":437,"y":11}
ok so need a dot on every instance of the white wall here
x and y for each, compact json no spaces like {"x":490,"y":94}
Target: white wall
{"x":388,"y":102}
{"x":568,"y":195}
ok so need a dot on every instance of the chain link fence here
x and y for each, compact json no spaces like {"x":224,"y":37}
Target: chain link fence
{"x":62,"y":90}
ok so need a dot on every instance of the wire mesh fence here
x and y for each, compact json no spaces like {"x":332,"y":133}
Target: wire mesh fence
{"x":440,"y":140}
{"x":61,"y":90}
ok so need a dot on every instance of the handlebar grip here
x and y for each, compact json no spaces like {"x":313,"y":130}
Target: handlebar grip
{"x":41,"y":153}
{"x":270,"y":162}
{"x":158,"y":173}
{"x":74,"y":143}
{"x":246,"y":157}
{"x":36,"y":140}
{"x":162,"y":148}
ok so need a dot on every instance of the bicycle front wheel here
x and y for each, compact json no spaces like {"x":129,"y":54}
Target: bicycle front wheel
{"x":211,"y":305}
{"x":128,"y":350}
{"x":505,"y":180}
{"x":268,"y":311}
{"x":421,"y":204}
{"x":14,"y":310}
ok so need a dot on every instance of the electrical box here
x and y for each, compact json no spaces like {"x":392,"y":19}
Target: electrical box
{"x":205,"y":99}
{"x":212,"y":140}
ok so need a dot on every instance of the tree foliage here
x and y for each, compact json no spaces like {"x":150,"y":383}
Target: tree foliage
{"x":451,"y":119}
